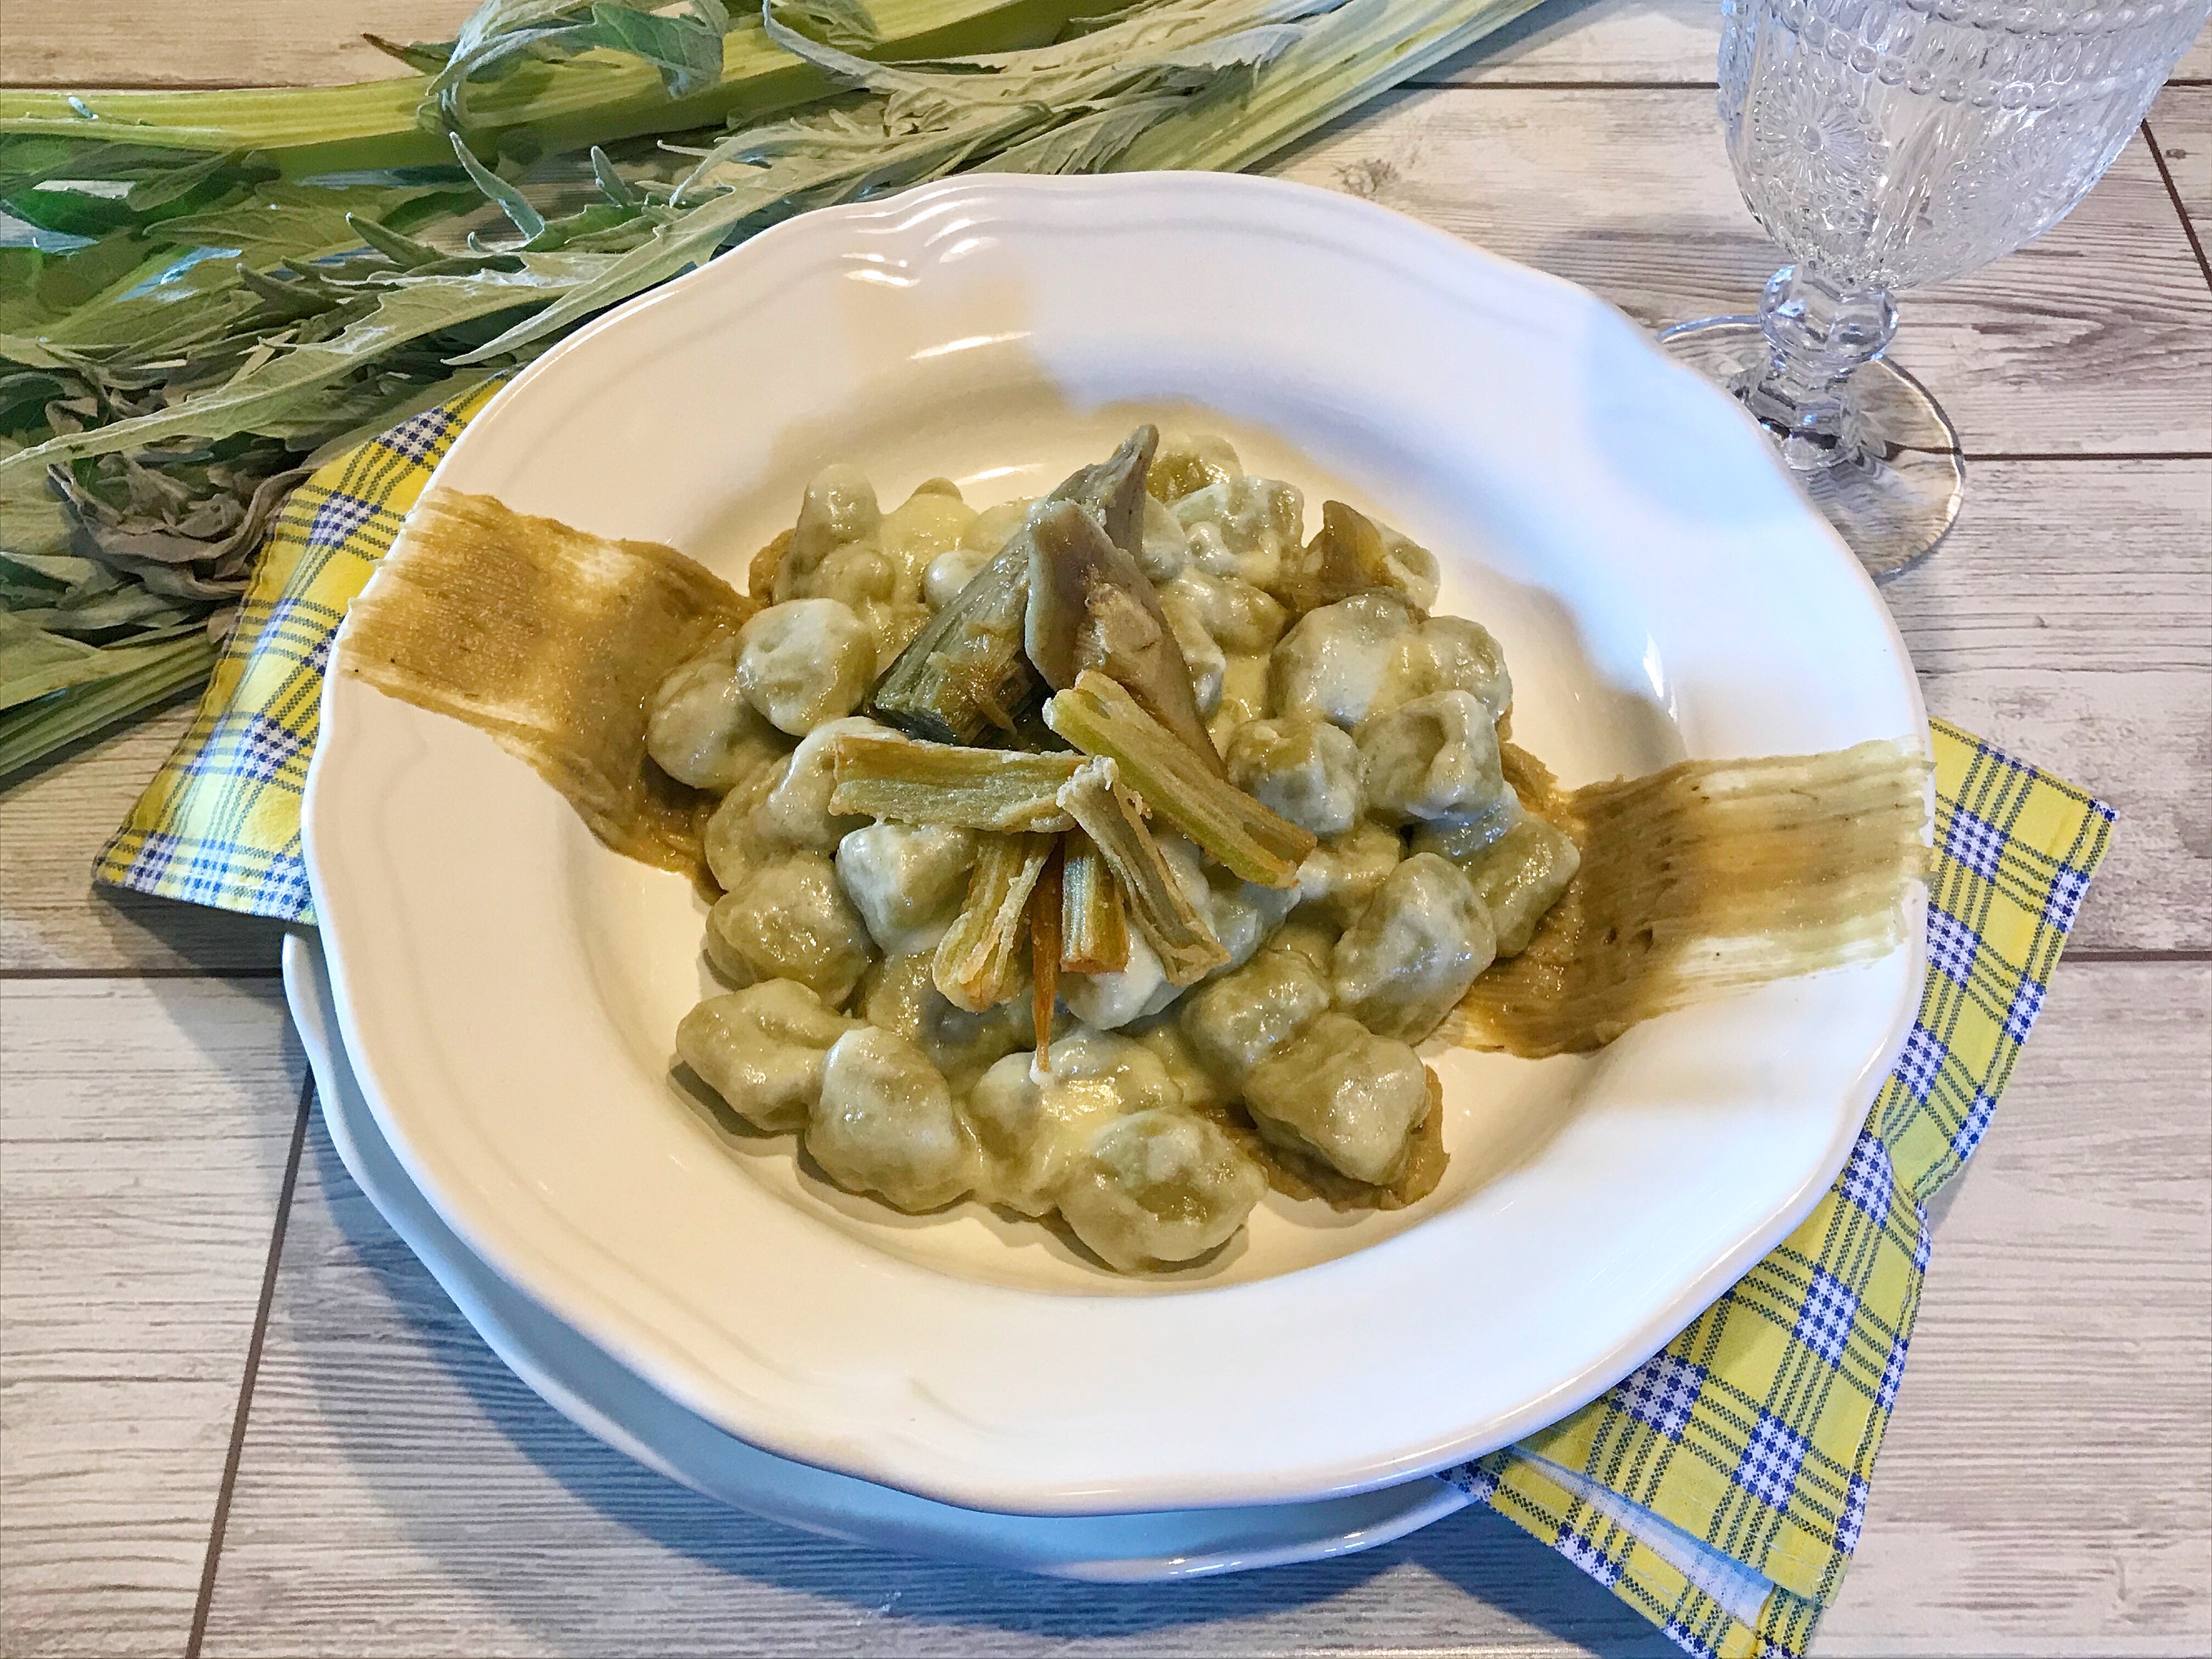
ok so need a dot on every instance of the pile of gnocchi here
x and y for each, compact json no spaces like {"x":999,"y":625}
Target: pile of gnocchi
{"x":1242,"y":838}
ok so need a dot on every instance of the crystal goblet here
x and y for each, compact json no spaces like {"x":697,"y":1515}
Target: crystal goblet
{"x":1885,"y":144}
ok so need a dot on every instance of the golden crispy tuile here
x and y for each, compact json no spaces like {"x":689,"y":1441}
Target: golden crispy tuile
{"x":1101,"y":718}
{"x":1182,"y":939}
{"x":551,"y":640}
{"x":915,"y":783}
{"x":1700,"y":880}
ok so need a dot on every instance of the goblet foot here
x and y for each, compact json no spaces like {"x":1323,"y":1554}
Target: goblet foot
{"x":1889,"y":476}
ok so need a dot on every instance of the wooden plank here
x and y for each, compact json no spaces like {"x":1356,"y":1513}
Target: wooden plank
{"x":113,"y":43}
{"x":399,"y":1493}
{"x":54,"y":821}
{"x":2047,"y":1482}
{"x":2181,"y":121}
{"x":2097,"y":337}
{"x":1630,"y":40}
{"x":2196,"y":63}
{"x":143,"y":1134}
{"x":110,"y":43}
{"x":271,"y":43}
{"x":2068,"y":619}
{"x":1594,"y":41}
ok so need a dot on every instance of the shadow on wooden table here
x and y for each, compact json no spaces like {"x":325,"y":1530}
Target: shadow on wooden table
{"x":460,"y":1513}
{"x":55,"y":816}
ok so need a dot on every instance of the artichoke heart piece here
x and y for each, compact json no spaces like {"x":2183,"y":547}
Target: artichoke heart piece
{"x":1094,"y":929}
{"x":1352,"y":554}
{"x":1099,"y":717}
{"x":978,"y":962}
{"x":1172,"y":925}
{"x":965,"y":673}
{"x":1092,"y":607}
{"x":1113,"y":491}
{"x":913,"y":782}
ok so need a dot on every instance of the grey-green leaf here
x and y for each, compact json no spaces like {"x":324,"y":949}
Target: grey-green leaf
{"x":407,"y":311}
{"x":510,"y":201}
{"x":687,"y":53}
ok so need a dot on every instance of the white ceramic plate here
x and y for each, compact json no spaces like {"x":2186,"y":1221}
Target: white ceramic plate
{"x":508,"y":989}
{"x":606,"y":1399}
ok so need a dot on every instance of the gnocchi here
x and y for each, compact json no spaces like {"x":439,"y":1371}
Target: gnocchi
{"x":1334,"y":665}
{"x":1109,"y":1000}
{"x":1034,"y":1128}
{"x":1159,"y":1188}
{"x":700,"y":728}
{"x":1235,"y":1021}
{"x":805,"y":663}
{"x":791,"y":920}
{"x":906,"y":880}
{"x":1385,"y":861}
{"x":1521,"y":876}
{"x":1300,"y":767}
{"x":761,"y":1050}
{"x":839,"y":510}
{"x":1344,"y":1094}
{"x":1448,"y":653}
{"x":1242,"y":526}
{"x":1340,"y":876}
{"x":899,"y":995}
{"x":884,"y":1123}
{"x":796,"y":812}
{"x":1410,"y":957}
{"x":1435,"y":756}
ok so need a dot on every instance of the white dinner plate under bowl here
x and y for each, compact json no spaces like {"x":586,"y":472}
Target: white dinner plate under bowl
{"x":508,"y":989}
{"x":612,"y":1403}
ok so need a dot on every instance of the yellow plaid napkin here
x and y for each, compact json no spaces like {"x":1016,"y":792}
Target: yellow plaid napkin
{"x":220,"y":825}
{"x":1720,"y":1489}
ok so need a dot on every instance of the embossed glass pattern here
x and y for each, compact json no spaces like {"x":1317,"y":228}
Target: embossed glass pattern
{"x":1889,"y":144}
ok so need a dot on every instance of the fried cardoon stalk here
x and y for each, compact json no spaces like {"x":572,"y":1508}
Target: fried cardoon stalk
{"x":912,"y":782}
{"x":1044,"y":955}
{"x":1182,"y":939}
{"x":1099,"y":717}
{"x":1094,"y":931}
{"x":978,"y":962}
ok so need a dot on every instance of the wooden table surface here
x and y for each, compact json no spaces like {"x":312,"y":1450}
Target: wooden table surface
{"x":237,"y":1417}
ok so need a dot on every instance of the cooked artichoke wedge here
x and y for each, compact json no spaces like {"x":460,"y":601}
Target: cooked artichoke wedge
{"x":1066,"y":593}
{"x":965,"y":674}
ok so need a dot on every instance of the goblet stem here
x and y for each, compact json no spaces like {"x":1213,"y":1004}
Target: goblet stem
{"x":1863,"y":438}
{"x":1818,"y":335}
